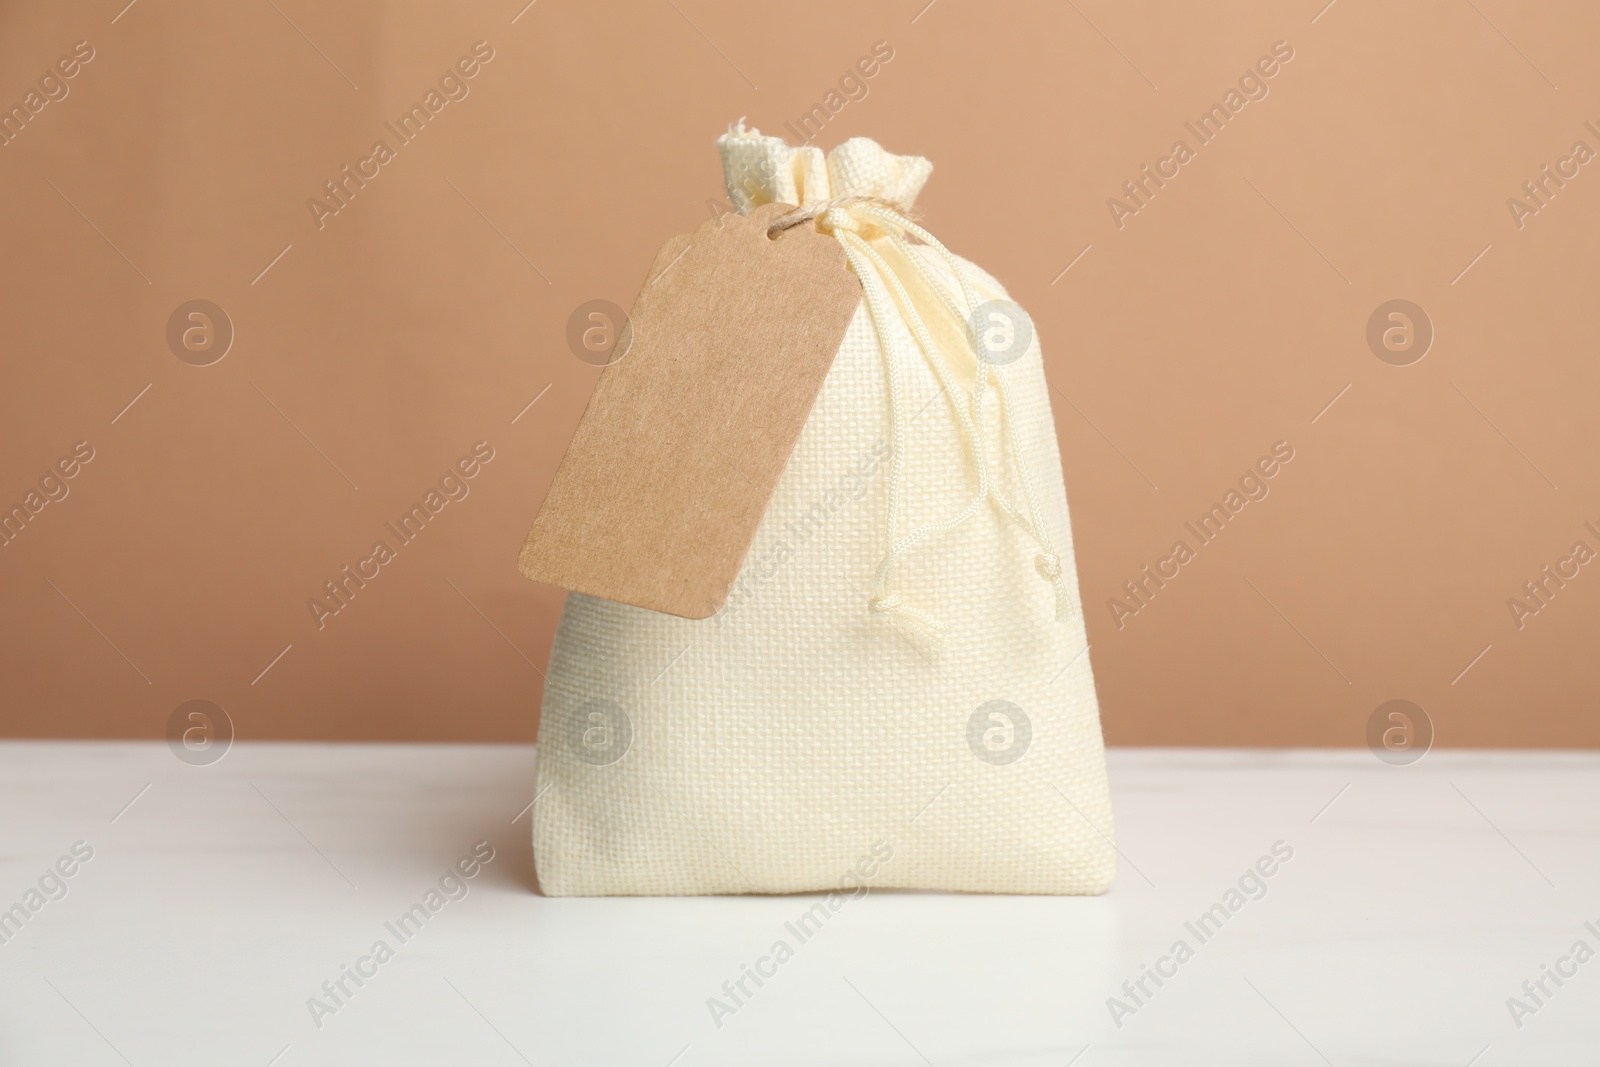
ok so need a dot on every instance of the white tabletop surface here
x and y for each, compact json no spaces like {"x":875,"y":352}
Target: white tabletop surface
{"x":216,"y":904}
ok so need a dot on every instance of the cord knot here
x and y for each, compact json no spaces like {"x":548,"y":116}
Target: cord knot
{"x":1048,"y":564}
{"x":882,"y":605}
{"x":836,"y":219}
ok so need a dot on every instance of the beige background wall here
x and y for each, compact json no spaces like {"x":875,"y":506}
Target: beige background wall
{"x":1223,"y":316}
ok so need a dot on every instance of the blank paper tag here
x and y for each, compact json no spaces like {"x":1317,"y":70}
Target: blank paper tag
{"x":661,"y":490}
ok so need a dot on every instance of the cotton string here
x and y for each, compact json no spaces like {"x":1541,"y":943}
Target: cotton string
{"x":843,"y":218}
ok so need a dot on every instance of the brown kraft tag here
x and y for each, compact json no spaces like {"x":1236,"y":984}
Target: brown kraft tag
{"x":660,"y":492}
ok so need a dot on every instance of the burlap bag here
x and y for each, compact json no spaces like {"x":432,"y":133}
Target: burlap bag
{"x":898,"y":691}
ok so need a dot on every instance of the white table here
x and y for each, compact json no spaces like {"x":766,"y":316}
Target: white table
{"x":1417,"y":901}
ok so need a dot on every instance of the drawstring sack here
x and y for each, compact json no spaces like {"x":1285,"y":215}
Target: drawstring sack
{"x":900,"y":673}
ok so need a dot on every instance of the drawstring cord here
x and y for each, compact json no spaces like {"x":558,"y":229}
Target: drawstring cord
{"x":884,"y":599}
{"x":843,"y":218}
{"x":1047,"y":563}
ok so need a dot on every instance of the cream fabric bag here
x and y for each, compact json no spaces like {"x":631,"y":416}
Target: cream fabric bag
{"x":898,"y":691}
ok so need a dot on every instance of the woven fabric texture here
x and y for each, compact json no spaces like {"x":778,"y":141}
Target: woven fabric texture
{"x":773,"y":746}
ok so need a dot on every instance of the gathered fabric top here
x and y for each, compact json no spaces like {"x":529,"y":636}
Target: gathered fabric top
{"x":767,"y":170}
{"x":859,"y":194}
